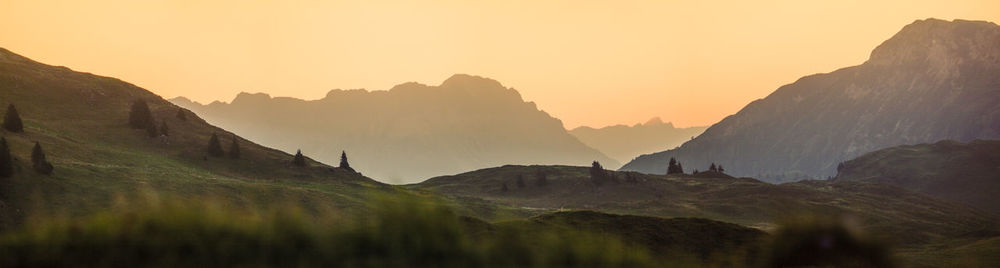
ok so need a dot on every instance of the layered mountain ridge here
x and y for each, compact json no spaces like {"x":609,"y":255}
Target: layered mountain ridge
{"x":410,"y":132}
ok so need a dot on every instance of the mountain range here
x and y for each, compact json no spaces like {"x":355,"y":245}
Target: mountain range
{"x":623,"y":143}
{"x":933,"y":80}
{"x":410,"y":132}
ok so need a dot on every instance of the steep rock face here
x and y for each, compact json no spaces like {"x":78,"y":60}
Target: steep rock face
{"x":410,"y":132}
{"x":623,"y":143}
{"x":933,"y":80}
{"x":967,"y":173}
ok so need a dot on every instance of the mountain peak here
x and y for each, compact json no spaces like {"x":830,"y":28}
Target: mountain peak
{"x":251,"y":98}
{"x":937,"y":42}
{"x":470,"y":81}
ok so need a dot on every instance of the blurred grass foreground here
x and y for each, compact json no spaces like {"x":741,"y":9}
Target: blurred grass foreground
{"x":396,"y":232}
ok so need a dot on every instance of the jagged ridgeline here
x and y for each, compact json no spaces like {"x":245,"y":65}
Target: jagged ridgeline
{"x":933,"y":80}
{"x":410,"y":132}
{"x":98,"y":137}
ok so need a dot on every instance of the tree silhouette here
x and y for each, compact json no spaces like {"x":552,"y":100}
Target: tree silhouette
{"x":6,"y":162}
{"x":151,"y":130}
{"x":713,"y":168}
{"x":721,"y":169}
{"x":12,"y":121}
{"x":541,"y":179}
{"x":674,"y":167}
{"x":181,"y":114}
{"x":38,"y":161}
{"x":214,"y":147}
{"x":164,"y":130}
{"x":520,"y":181}
{"x":140,"y":117}
{"x":597,"y":173}
{"x":234,"y":148}
{"x":299,"y":159}
{"x":343,"y":161}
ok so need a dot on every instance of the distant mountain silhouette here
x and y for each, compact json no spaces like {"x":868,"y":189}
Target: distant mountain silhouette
{"x":410,"y":132}
{"x":624,"y":143}
{"x":967,"y":173}
{"x":933,"y":80}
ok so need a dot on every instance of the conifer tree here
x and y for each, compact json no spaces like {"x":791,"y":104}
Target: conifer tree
{"x":299,"y":159}
{"x":597,"y":173}
{"x":181,"y":114}
{"x":38,"y":161}
{"x":6,"y":162}
{"x":343,"y":161}
{"x":164,"y":130}
{"x":520,"y":181}
{"x":151,"y":130}
{"x":12,"y":121}
{"x":713,"y":168}
{"x":721,"y":169}
{"x":214,"y":147}
{"x":234,"y":148}
{"x":140,"y":117}
{"x":674,"y":167}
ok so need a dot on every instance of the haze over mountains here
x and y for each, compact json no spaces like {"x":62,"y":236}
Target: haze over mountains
{"x":410,"y":132}
{"x":933,"y":80}
{"x":623,"y":143}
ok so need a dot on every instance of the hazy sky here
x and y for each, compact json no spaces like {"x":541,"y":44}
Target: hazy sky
{"x":586,"y":62}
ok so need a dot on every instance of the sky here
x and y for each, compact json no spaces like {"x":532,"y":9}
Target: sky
{"x":592,"y":63}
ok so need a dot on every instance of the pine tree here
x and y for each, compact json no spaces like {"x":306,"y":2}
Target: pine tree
{"x":234,"y":148}
{"x":721,"y":169}
{"x":520,"y":181}
{"x":151,"y":130}
{"x":140,"y":117}
{"x":713,"y":168}
{"x":38,"y":161}
{"x":343,"y":161}
{"x":674,"y":167}
{"x":12,"y":121}
{"x":597,"y":173}
{"x":6,"y":162}
{"x":299,"y":159}
{"x":541,"y":179}
{"x":164,"y":130}
{"x":181,"y":114}
{"x":214,"y":147}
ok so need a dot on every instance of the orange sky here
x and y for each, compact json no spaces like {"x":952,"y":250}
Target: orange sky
{"x":586,"y":62}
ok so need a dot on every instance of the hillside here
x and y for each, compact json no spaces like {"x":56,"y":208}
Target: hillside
{"x":967,"y":173}
{"x":933,"y":80}
{"x":81,"y":121}
{"x":910,"y":219}
{"x":410,"y":132}
{"x":623,"y":143}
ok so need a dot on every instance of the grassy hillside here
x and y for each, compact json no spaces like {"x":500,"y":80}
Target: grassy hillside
{"x":967,"y":173}
{"x":908,"y":219}
{"x":81,"y":121}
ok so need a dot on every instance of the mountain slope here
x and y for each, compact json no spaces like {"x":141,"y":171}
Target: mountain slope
{"x":967,"y":173}
{"x":933,"y":80}
{"x":409,"y":132}
{"x":81,"y":121}
{"x":623,"y":143}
